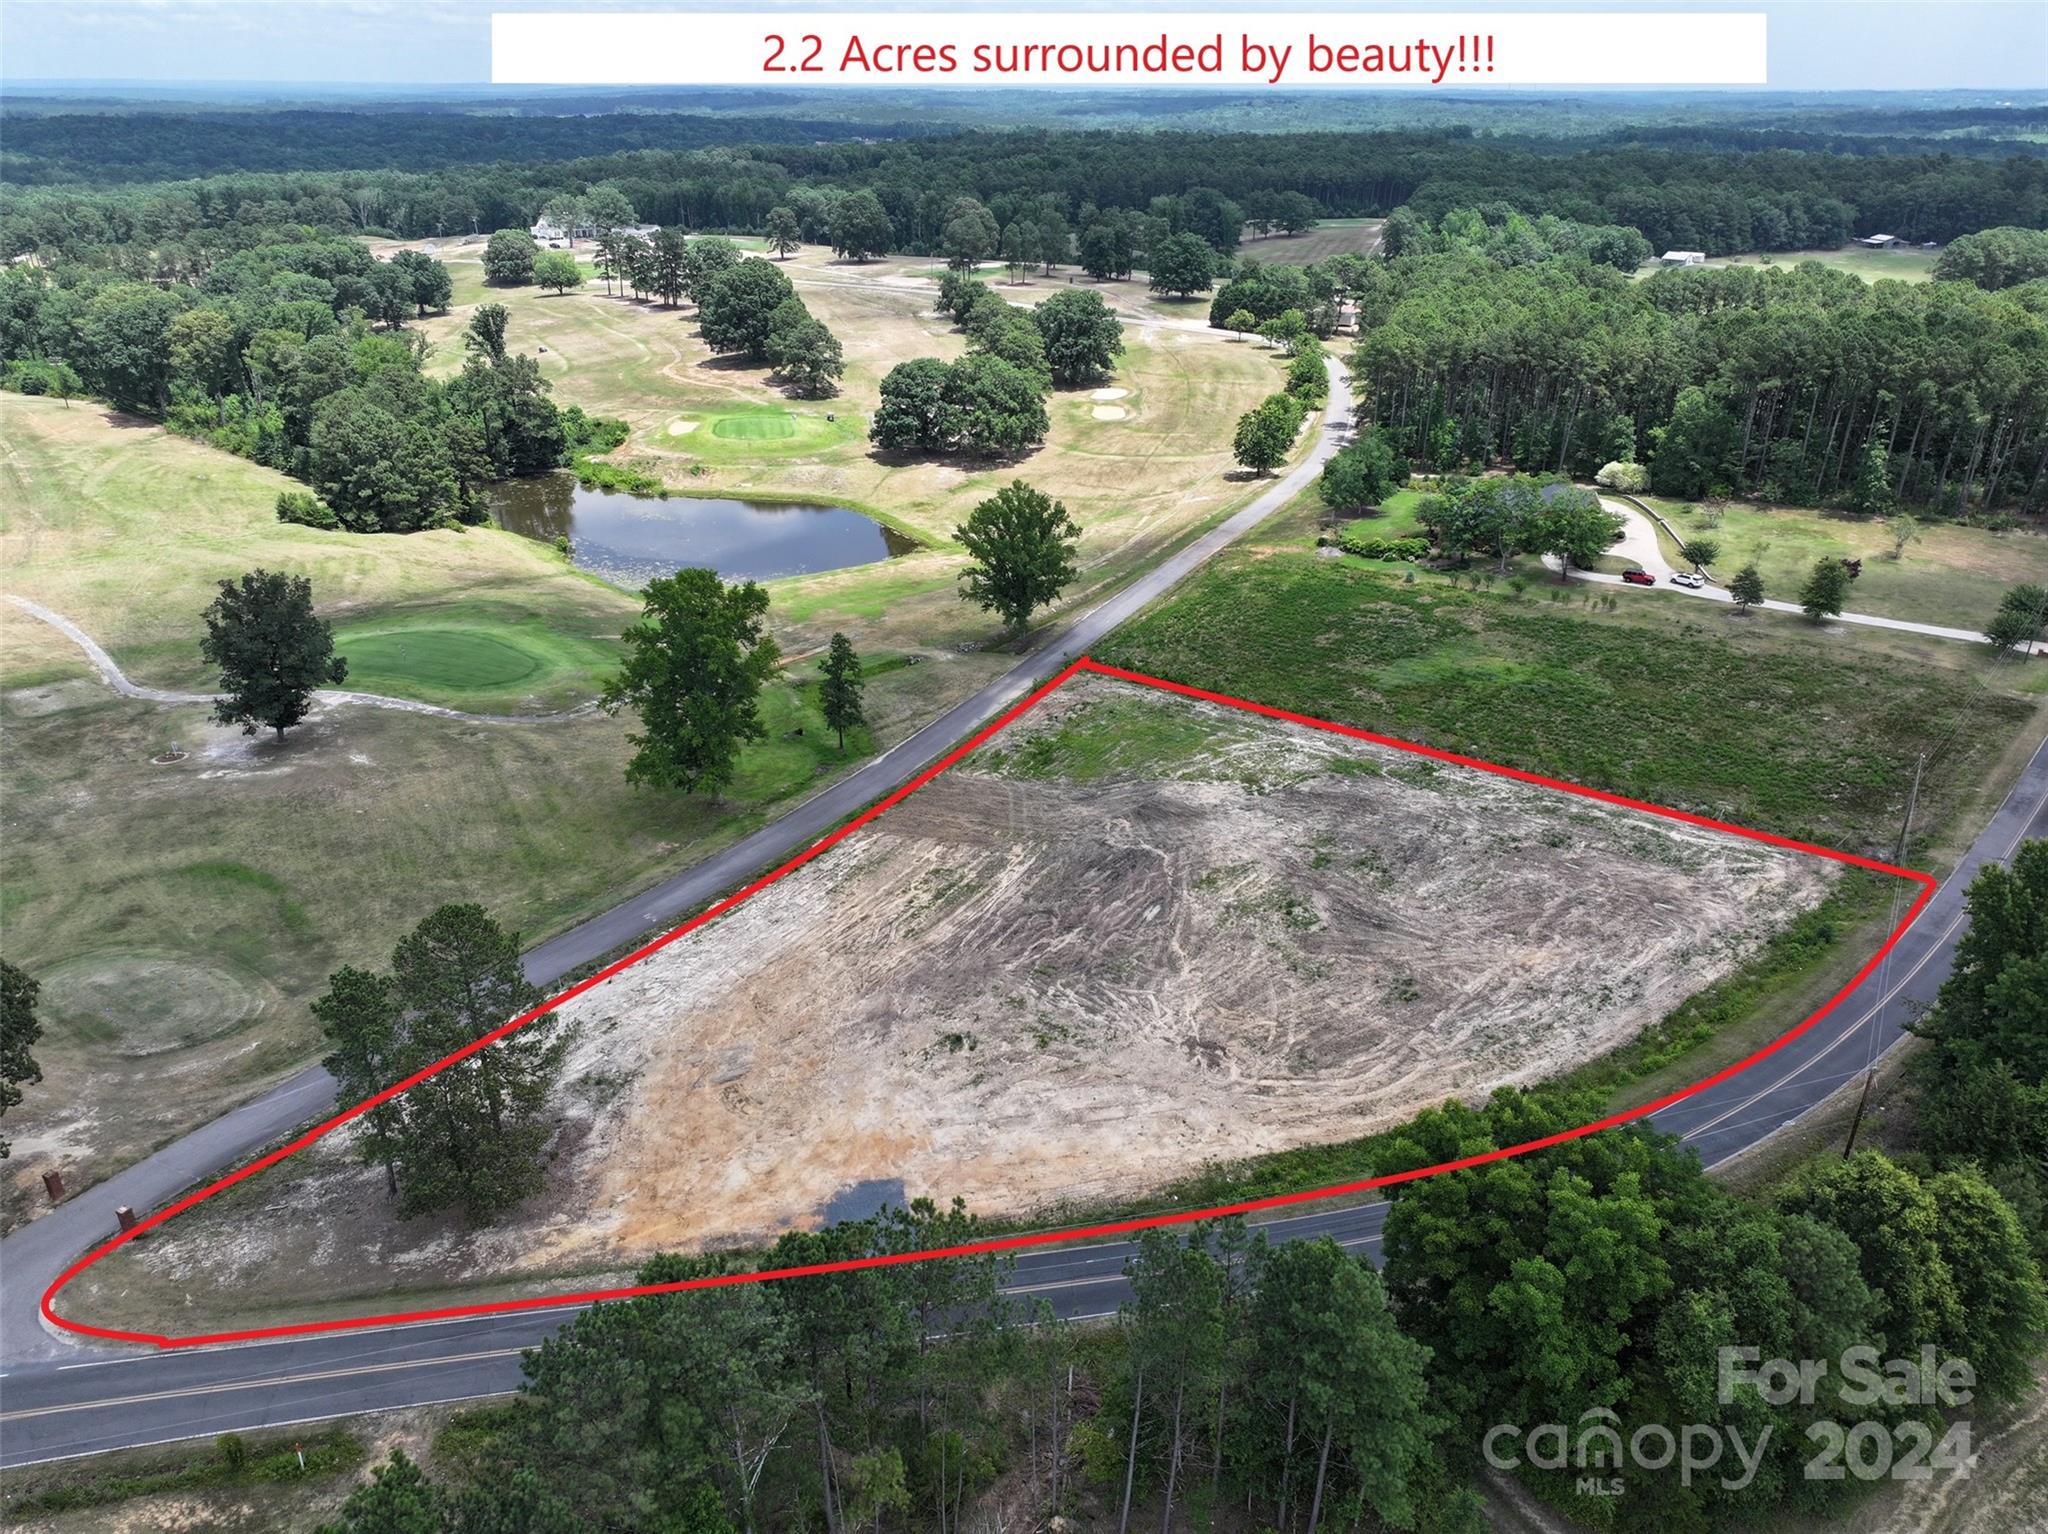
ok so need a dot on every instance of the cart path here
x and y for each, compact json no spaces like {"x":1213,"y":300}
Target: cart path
{"x":327,"y":697}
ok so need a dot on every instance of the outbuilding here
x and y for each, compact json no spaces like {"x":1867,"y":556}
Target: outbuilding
{"x":1684,"y":258}
{"x":1881,"y":242}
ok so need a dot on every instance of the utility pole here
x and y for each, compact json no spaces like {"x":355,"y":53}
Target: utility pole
{"x":1884,"y":975}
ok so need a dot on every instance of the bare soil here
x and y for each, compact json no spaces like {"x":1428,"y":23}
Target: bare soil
{"x":1131,"y":934}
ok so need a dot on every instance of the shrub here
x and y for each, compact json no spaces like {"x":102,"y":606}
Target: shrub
{"x":1368,"y":547}
{"x":305,"y":509}
{"x":28,"y":375}
{"x":1630,"y":477}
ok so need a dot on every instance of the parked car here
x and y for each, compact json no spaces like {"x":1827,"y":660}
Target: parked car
{"x":1690,"y":578}
{"x":1639,"y":577}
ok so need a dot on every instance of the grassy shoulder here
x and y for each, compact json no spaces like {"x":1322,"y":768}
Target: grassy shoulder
{"x":234,"y":1465}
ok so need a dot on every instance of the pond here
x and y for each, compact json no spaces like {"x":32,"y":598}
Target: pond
{"x":630,"y":539}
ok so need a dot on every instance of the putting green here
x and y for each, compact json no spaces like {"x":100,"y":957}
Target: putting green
{"x":449,"y":659}
{"x":757,"y":426}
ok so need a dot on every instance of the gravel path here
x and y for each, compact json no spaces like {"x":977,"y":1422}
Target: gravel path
{"x":327,"y":697}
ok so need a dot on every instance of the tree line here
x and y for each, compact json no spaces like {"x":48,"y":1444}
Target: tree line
{"x":991,"y":402}
{"x":1719,"y":200}
{"x":296,"y":355}
{"x":1780,"y":382}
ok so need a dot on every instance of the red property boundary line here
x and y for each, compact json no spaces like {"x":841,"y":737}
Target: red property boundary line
{"x":1926,"y":882}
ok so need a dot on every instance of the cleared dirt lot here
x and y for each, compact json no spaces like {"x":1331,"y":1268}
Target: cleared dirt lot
{"x":1130,"y":934}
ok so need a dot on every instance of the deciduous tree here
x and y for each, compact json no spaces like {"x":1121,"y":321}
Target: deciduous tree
{"x":695,"y":663}
{"x":1022,"y":543}
{"x":1082,"y":335}
{"x":19,"y":1031}
{"x":509,"y":257}
{"x":272,"y":650}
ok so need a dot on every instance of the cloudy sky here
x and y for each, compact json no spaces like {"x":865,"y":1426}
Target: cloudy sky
{"x":1815,"y":44}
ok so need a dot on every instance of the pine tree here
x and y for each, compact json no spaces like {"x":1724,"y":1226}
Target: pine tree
{"x":1747,"y":589}
{"x":839,"y":694}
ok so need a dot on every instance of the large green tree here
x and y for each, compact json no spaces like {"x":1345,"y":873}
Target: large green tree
{"x":509,"y":257}
{"x":272,"y":650}
{"x":861,"y":227}
{"x":19,"y":1031}
{"x":473,"y":1135}
{"x":737,"y":307}
{"x":1364,"y":474}
{"x":1082,"y":335}
{"x":1265,"y":433}
{"x":695,"y":663}
{"x":1182,"y":264}
{"x":1022,"y":543}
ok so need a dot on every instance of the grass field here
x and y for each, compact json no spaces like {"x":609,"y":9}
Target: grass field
{"x":709,"y":425}
{"x":1948,"y":574}
{"x":1755,"y":726}
{"x":1333,"y":236}
{"x":181,"y":915}
{"x":1904,"y":265}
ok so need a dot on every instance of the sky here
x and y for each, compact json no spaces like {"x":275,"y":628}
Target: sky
{"x":1814,"y":44}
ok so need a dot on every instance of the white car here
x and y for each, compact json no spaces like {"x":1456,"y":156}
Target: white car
{"x":1690,"y":578}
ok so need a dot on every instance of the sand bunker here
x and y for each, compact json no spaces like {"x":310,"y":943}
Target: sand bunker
{"x":1109,"y":394}
{"x":682,"y":428}
{"x":1109,"y":412}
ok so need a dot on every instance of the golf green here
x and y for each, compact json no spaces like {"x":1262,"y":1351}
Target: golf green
{"x":455,"y":660}
{"x":757,"y":426}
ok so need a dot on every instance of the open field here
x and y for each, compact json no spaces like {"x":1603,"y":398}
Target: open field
{"x":707,"y":425}
{"x":1948,"y":574}
{"x":1765,"y":723}
{"x":181,"y":915}
{"x":241,"y":875}
{"x":1131,"y":935}
{"x":1912,"y":265}
{"x":1330,"y":237}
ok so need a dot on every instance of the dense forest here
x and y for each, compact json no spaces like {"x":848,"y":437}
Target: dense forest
{"x":1801,"y":384}
{"x":1718,"y":202}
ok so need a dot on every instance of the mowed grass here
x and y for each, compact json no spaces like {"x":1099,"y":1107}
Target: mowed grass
{"x":1763,"y":727}
{"x":755,"y":426}
{"x":1911,"y":265}
{"x":184,"y":913}
{"x":1948,"y":574}
{"x":1138,"y":486}
{"x":481,"y":657}
{"x":128,"y":530}
{"x":1331,"y":237}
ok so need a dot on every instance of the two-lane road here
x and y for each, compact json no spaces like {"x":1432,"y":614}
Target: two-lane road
{"x":34,"y":1255}
{"x":51,"y":1409}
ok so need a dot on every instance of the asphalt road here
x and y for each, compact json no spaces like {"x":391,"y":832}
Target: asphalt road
{"x":98,"y":1400}
{"x":34,"y":1255}
{"x":58,"y":1402}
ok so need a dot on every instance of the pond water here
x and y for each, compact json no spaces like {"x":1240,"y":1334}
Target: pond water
{"x":630,"y":539}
